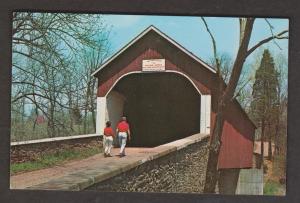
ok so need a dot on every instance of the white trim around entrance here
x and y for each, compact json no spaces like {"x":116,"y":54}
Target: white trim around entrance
{"x":138,"y":72}
{"x":101,"y":114}
{"x":205,"y":113}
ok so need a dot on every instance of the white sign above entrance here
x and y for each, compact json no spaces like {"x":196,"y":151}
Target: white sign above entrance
{"x":154,"y":65}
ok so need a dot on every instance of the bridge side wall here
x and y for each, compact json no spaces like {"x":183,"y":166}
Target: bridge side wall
{"x":30,"y":151}
{"x":180,"y":171}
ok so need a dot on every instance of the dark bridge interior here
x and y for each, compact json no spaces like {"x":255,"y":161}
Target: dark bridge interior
{"x":160,"y":107}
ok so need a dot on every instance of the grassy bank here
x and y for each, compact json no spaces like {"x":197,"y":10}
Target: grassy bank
{"x":274,"y":188}
{"x":275,"y":176}
{"x":49,"y":160}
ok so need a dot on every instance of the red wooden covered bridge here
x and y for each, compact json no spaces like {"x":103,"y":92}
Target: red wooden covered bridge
{"x":168,"y":93}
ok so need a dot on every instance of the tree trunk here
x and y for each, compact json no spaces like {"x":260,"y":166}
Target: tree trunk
{"x":87,"y":96}
{"x":262,"y":137}
{"x":212,"y":173}
{"x":85,"y":119}
{"x":70,"y":103}
{"x":50,"y":127}
{"x":270,"y":149}
{"x":22,"y":131}
{"x":270,"y":143}
{"x":93,"y":104}
{"x":276,"y":139}
{"x":93,"y":114}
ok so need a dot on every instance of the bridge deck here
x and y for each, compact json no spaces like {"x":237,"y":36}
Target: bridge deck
{"x":77,"y":175}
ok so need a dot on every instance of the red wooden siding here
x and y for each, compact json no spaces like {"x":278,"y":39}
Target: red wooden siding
{"x":237,"y":140}
{"x":235,"y":149}
{"x":136,"y":65}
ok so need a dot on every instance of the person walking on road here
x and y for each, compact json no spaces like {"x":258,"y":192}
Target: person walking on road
{"x":123,"y":131}
{"x":108,"y":139}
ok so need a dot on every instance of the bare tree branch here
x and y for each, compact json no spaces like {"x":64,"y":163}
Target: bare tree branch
{"x":278,"y":36}
{"x":214,"y":45}
{"x":271,"y":30}
{"x":241,"y":88}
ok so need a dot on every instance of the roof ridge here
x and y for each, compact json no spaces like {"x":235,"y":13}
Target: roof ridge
{"x":162,"y":34}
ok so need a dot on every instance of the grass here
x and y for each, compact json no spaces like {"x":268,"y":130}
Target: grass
{"x":275,"y":172}
{"x":272,"y":188}
{"x":48,"y":160}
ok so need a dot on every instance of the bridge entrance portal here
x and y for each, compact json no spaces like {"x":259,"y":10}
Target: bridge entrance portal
{"x":160,"y":107}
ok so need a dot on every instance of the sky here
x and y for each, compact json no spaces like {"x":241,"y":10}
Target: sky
{"x":191,"y":33}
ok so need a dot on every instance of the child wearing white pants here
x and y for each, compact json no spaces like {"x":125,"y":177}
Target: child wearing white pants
{"x":123,"y":131}
{"x":108,"y":143}
{"x":108,"y":139}
{"x":122,"y":142}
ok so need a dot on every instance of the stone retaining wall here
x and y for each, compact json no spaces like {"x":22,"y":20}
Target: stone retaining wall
{"x":180,"y":171}
{"x":30,"y":151}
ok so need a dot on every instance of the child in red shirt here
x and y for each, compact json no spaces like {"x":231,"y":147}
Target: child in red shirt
{"x":108,"y":139}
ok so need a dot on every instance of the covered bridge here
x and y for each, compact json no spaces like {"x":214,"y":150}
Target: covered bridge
{"x":167,"y":93}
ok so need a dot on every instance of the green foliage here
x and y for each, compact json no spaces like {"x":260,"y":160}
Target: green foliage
{"x":271,"y":188}
{"x":49,"y":160}
{"x":279,"y":166}
{"x":25,"y":130}
{"x":275,"y":181}
{"x":265,"y":90}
